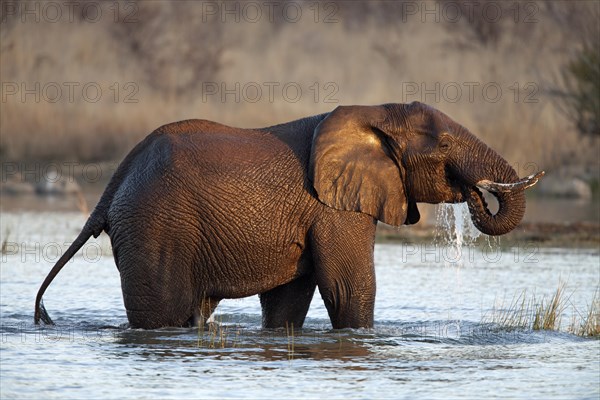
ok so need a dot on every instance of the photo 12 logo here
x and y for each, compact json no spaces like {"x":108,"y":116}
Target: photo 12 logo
{"x":71,"y":92}
{"x":70,"y":171}
{"x":254,"y":92}
{"x":270,"y":11}
{"x":473,"y":254}
{"x":489,"y":12}
{"x":24,"y":334}
{"x":50,"y":252}
{"x":68,"y":11}
{"x":471,"y":92}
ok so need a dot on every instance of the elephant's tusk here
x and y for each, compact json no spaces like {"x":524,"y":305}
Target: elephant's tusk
{"x":523,"y":184}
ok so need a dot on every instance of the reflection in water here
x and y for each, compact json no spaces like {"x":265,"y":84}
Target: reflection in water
{"x":243,"y":343}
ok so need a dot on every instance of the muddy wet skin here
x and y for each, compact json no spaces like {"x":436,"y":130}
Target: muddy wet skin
{"x":432,"y":338}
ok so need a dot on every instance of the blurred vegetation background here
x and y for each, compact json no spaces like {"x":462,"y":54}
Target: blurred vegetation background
{"x":160,"y":61}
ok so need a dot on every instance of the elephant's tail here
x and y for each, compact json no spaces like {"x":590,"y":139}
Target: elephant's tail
{"x":94,"y":227}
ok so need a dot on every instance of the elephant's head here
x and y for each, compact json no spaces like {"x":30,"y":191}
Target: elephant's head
{"x":382,"y":160}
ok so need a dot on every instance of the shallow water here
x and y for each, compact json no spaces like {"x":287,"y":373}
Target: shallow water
{"x":430,"y":338}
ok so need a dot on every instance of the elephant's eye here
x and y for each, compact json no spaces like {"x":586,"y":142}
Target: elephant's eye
{"x":445,"y":145}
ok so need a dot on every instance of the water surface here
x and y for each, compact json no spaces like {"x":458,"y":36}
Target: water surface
{"x":430,"y":338}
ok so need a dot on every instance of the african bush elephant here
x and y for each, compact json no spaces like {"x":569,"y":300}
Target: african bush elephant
{"x":198,"y":211}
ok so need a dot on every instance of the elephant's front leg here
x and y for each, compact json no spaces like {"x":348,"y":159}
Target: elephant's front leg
{"x":287,"y":305}
{"x":350,"y":301}
{"x":343,"y":254}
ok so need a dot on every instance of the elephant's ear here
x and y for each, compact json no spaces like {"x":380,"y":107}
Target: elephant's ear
{"x":352,"y":168}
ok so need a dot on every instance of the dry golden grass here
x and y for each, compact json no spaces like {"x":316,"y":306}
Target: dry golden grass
{"x":525,"y":312}
{"x":368,"y":59}
{"x":217,"y":335}
{"x":514,"y":316}
{"x":289,"y":331}
{"x":4,"y":247}
{"x":548,"y":315}
{"x":588,"y":323}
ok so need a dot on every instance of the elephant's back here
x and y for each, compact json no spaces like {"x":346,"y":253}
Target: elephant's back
{"x":205,"y":151}
{"x":212,"y":155}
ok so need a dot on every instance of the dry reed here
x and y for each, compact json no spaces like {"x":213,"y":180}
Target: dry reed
{"x":528,"y":312}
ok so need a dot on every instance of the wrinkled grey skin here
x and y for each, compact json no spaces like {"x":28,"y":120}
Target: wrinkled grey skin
{"x":200,"y":212}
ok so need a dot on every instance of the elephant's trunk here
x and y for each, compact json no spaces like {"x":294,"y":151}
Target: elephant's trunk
{"x":510,"y":212}
{"x":487,"y":170}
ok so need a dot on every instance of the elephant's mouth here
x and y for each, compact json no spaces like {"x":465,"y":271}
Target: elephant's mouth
{"x":476,"y":201}
{"x":476,"y":195}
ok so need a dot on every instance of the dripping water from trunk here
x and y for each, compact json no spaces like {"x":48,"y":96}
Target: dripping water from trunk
{"x":455,"y":233}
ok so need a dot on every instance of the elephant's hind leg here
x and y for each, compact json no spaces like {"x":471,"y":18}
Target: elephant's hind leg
{"x":155,"y":291}
{"x":288,"y":304}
